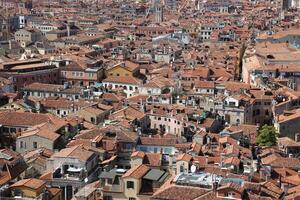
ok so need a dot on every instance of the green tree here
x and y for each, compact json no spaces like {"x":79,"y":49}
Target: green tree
{"x":267,"y":136}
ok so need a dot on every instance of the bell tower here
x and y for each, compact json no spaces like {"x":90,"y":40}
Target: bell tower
{"x":158,"y":11}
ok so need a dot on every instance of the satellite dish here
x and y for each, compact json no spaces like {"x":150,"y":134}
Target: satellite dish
{"x":86,"y":180}
{"x":193,"y":168}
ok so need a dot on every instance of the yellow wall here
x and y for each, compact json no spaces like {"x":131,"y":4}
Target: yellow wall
{"x":12,"y":106}
{"x":129,"y":192}
{"x":118,"y":70}
{"x":185,"y":166}
{"x":28,"y":192}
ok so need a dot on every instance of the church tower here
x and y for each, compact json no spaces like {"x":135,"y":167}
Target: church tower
{"x":158,"y":11}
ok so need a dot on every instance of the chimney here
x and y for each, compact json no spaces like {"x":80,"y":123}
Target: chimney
{"x":38,"y":106}
{"x":222,"y":159}
{"x":297,"y":137}
{"x":206,"y":159}
{"x":9,"y":45}
{"x":68,"y":30}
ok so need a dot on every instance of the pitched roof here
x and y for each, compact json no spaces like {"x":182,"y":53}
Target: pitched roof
{"x":176,"y":192}
{"x":136,"y":172}
{"x":271,"y":189}
{"x":130,"y":66}
{"x":288,"y":142}
{"x":292,"y":180}
{"x":205,"y":84}
{"x":184,"y":157}
{"x":29,"y":119}
{"x":153,"y":159}
{"x":232,"y":160}
{"x":129,"y":113}
{"x":32,"y":183}
{"x":123,"y":80}
{"x":158,"y":141}
{"x":41,"y":130}
{"x":74,"y":152}
{"x":139,"y":154}
{"x":232,"y":186}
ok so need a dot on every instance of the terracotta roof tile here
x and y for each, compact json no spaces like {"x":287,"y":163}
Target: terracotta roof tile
{"x":137,"y":172}
{"x":32,"y":183}
{"x":176,"y":192}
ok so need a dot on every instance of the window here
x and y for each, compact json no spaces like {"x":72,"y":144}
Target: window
{"x":145,"y":149}
{"x":181,"y":168}
{"x":109,"y":181}
{"x":167,"y":150}
{"x":229,"y":194}
{"x":127,"y":146}
{"x":35,"y":145}
{"x":231,"y":103}
{"x":18,"y":192}
{"x":130,"y":184}
{"x":21,"y":145}
{"x":267,"y":112}
{"x":107,"y":198}
{"x":117,"y":181}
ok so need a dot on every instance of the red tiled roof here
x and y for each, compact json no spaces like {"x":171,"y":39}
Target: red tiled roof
{"x":176,"y":192}
{"x":137,"y":172}
{"x":32,"y":183}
